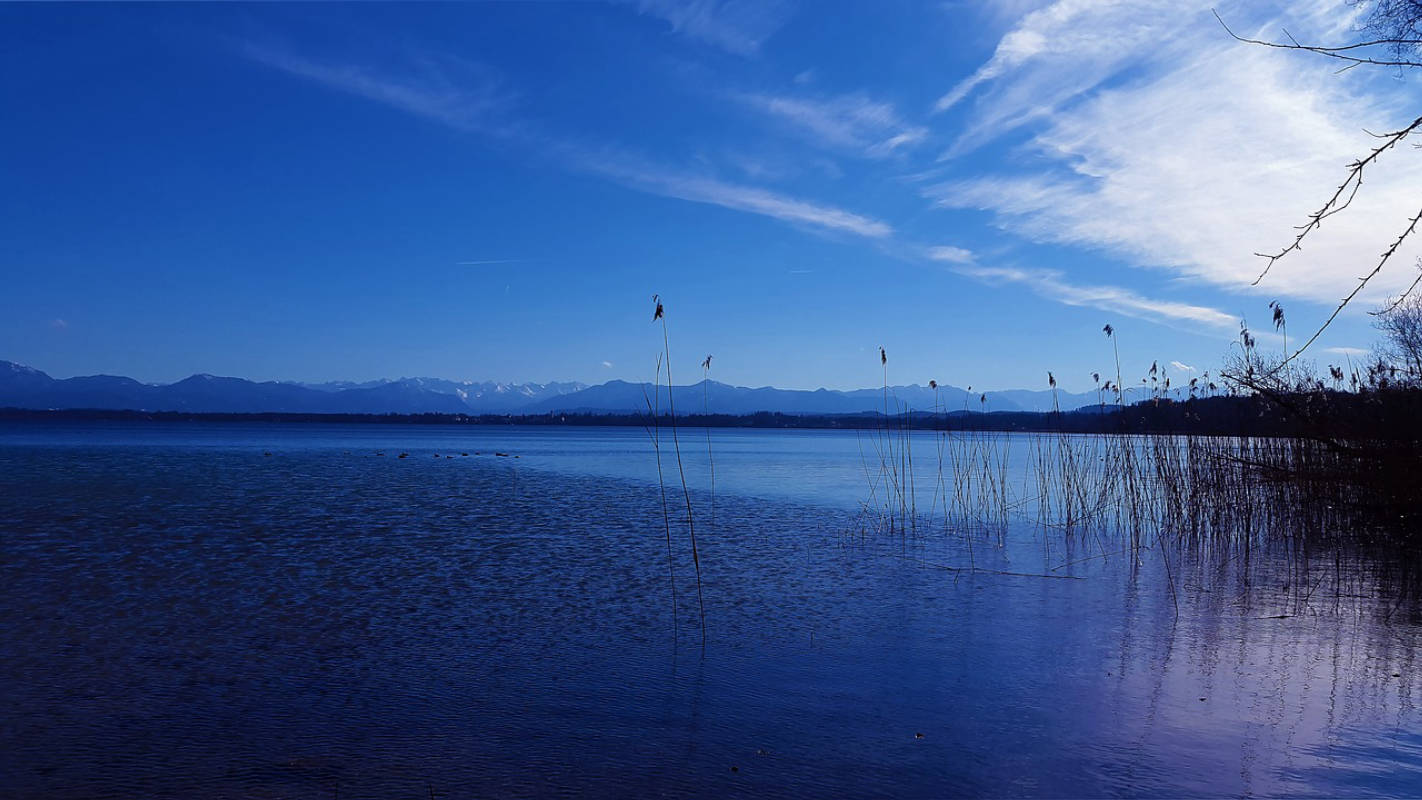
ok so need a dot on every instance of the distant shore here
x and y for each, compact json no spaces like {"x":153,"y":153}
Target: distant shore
{"x":1207,"y":416}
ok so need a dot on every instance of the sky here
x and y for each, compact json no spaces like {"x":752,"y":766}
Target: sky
{"x":495,"y":191}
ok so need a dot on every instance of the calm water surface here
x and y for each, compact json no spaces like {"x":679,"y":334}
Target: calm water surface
{"x":251,"y":610}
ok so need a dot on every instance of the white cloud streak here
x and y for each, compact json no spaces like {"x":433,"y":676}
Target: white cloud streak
{"x":455,"y":92}
{"x":1210,"y":151}
{"x":736,"y":26}
{"x":950,"y":255}
{"x":669,"y":182}
{"x":855,"y":122}
{"x":432,"y":92}
{"x":1351,"y":352}
{"x":1053,"y":285}
{"x":1055,"y":54}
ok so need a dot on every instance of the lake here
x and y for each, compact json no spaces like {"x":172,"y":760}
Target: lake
{"x":293,"y":610}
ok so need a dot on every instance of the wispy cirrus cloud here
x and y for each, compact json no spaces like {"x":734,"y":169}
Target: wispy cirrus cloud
{"x":472,"y":101}
{"x":1350,"y":352}
{"x":854,"y":122}
{"x":950,"y":255}
{"x":1209,"y":152}
{"x":1054,"y":285}
{"x":459,"y":93}
{"x":659,"y":179}
{"x":737,"y":26}
{"x":1053,"y":55}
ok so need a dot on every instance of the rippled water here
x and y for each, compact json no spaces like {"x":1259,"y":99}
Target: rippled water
{"x":247,"y":610}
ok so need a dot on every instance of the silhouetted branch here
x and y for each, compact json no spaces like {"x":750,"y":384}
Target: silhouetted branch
{"x":1401,"y":22}
{"x":1338,"y":202}
{"x":1362,"y":282}
{"x":1340,"y":52}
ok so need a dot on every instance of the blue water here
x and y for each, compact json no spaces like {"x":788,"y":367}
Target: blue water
{"x":251,"y":610}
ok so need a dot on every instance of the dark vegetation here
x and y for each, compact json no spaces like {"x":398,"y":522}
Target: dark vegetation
{"x":1323,"y":467}
{"x":1215,"y":416}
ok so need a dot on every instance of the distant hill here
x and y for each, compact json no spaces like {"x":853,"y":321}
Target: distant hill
{"x":26,"y":387}
{"x":23,"y":387}
{"x":487,"y":397}
{"x":720,"y":398}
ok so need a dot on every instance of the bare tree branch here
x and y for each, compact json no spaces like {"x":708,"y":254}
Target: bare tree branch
{"x":1338,"y":52}
{"x":1398,"y":26}
{"x":1338,"y":202}
{"x":1386,"y":256}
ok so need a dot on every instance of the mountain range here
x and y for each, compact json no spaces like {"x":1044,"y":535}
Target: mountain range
{"x":26,"y":387}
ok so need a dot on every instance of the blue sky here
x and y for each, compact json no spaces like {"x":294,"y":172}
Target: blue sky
{"x":494,"y":191}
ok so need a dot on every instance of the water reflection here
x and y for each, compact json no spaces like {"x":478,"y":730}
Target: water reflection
{"x":189,"y":618}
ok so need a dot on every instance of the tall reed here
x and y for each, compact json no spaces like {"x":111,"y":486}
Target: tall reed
{"x":706,"y":413}
{"x":659,"y":314}
{"x":655,"y":432}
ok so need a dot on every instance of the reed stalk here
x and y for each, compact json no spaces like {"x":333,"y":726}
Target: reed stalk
{"x":660,"y":314}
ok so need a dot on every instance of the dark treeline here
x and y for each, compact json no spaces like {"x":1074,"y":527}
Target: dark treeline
{"x":1387,"y":414}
